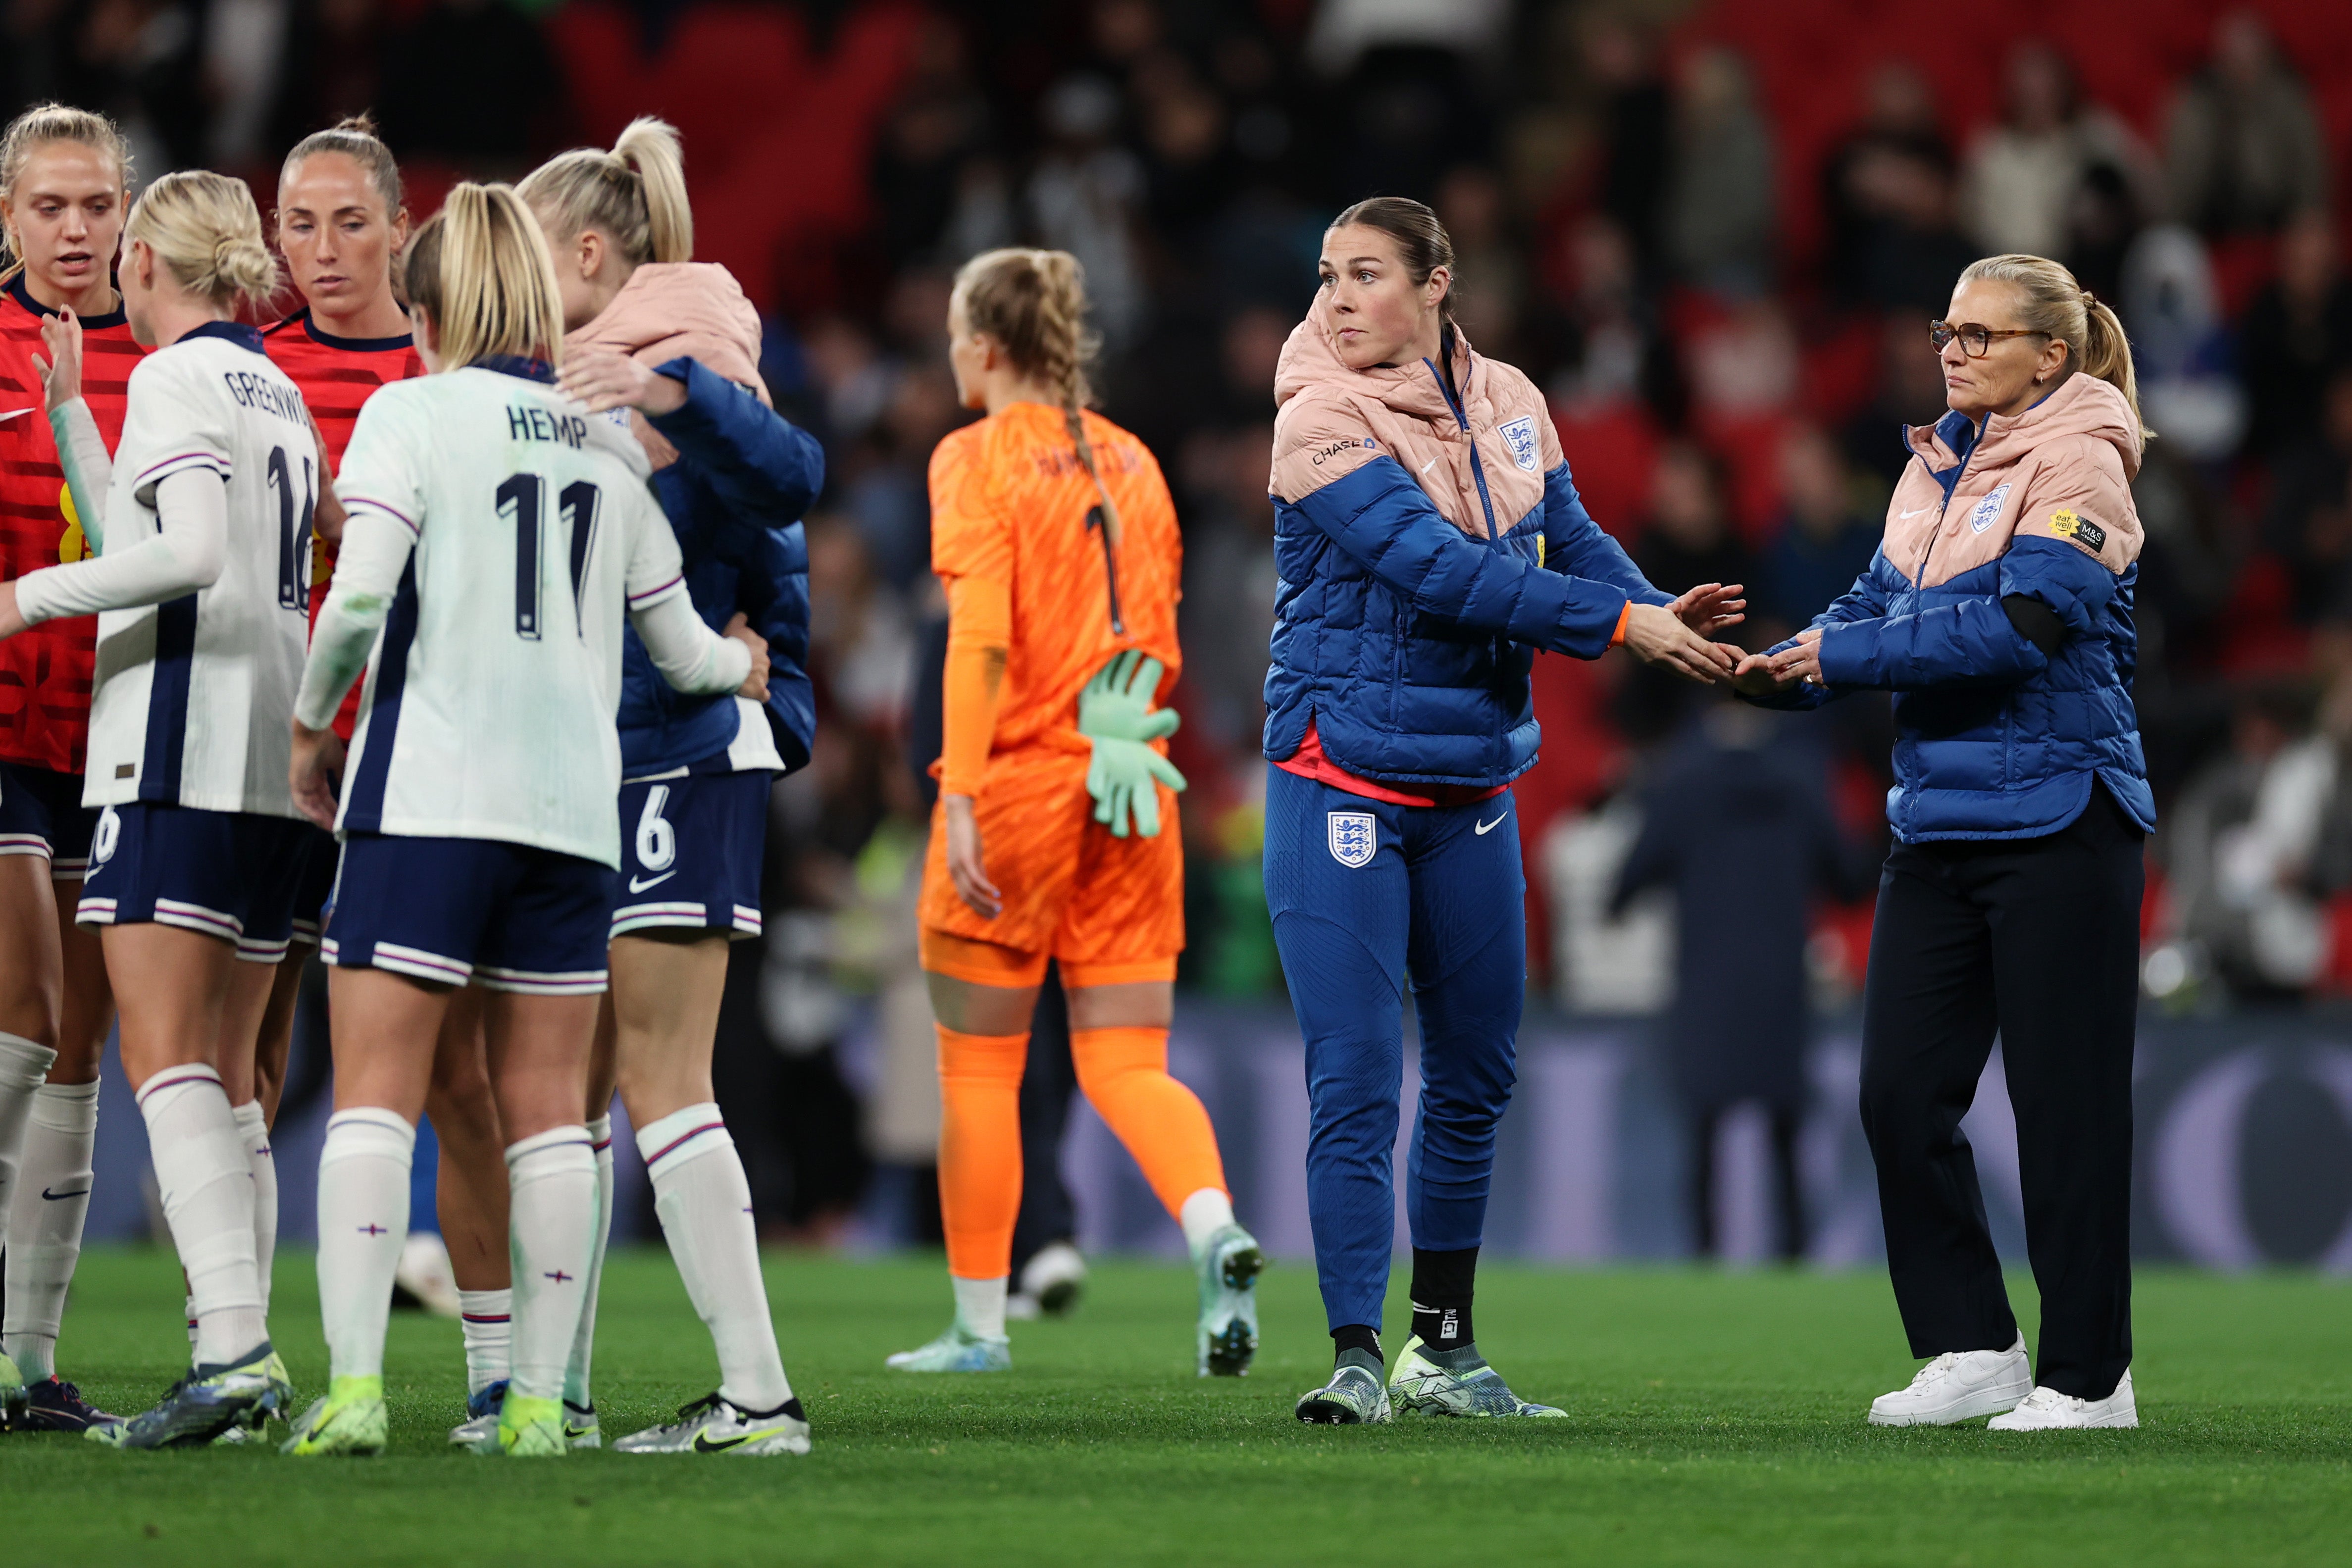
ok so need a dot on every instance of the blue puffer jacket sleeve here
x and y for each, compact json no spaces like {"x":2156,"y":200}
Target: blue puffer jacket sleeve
{"x":1972,"y":641}
{"x":1384,"y":520}
{"x":1865,"y":602}
{"x":1576,"y":545}
{"x":734,"y":498}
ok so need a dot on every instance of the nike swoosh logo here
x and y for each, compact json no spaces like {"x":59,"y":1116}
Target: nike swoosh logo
{"x":703,"y":1445}
{"x":1914,"y":512}
{"x":60,"y":1197}
{"x":1417,"y":473}
{"x":1485,"y":828}
{"x":636,"y":886}
{"x":14,"y":414}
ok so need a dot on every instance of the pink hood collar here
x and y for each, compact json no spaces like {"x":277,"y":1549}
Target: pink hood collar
{"x":1308,"y":360}
{"x":667,"y":310}
{"x":2083,"y":405}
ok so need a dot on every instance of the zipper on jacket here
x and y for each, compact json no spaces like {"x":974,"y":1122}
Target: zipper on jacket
{"x":1944,"y":511}
{"x":1110,"y":570}
{"x":1477,"y":469}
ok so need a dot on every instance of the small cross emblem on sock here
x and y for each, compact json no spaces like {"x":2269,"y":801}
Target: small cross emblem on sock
{"x":373,"y":1230}
{"x":557,"y":1275}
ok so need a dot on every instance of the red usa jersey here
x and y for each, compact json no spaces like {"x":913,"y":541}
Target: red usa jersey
{"x":337,"y":375}
{"x":45,"y":674}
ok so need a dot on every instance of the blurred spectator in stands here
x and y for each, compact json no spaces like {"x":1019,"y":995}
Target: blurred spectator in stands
{"x":1744,"y":364}
{"x":472,"y":83}
{"x":244,"y":48}
{"x":2239,"y":848}
{"x":334,"y":67}
{"x":1686,"y":539}
{"x":1227,"y":613}
{"x":2242,"y":151}
{"x":1188,"y":156}
{"x":1085,"y":197}
{"x":1636,"y":127}
{"x":1899,"y":125}
{"x":36,"y":44}
{"x":2309,"y":525}
{"x":1418,"y":75}
{"x":1719,"y":195}
{"x":1825,"y":540}
{"x":1735,"y":819}
{"x":2297,"y":331}
{"x":930,"y":164}
{"x":1914,"y":249}
{"x":2025,"y":174}
{"x":2180,"y":344}
{"x":1910,"y":392}
{"x":1489,"y":294}
{"x":139,"y":62}
{"x":1603,"y":339}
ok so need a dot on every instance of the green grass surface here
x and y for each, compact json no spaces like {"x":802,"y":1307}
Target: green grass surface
{"x":1713,"y":1419}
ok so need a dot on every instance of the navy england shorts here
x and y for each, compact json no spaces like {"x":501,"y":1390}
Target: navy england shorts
{"x":315,"y":885}
{"x":41,"y":813}
{"x":230,"y":875}
{"x":504,"y":917}
{"x":691,"y":849}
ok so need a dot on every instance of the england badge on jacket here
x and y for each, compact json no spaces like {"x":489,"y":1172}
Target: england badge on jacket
{"x":1355,"y":838}
{"x":1519,"y":436}
{"x":1988,"y":510}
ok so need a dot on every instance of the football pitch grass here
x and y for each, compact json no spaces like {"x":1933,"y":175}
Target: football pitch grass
{"x":1713,"y":1417}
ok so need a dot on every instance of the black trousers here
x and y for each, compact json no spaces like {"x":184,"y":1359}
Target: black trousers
{"x":2037,"y":940}
{"x":1049,"y":1088}
{"x":1706,"y":1121}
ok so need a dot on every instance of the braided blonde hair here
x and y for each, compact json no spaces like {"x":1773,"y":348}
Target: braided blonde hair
{"x":37,"y":128}
{"x":2055,"y":302}
{"x":1033,"y":302}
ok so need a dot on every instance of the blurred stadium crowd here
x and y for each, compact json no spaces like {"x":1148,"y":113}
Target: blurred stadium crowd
{"x":1715,"y":233}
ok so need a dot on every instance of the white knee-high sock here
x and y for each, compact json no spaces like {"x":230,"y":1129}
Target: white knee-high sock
{"x":705,"y":1205}
{"x":23,"y":1068}
{"x":44,"y":1236}
{"x":253,"y":1126}
{"x":362,"y":1221}
{"x":583,"y":1343}
{"x":551,"y":1239}
{"x":487,"y":1318}
{"x":208,"y":1201}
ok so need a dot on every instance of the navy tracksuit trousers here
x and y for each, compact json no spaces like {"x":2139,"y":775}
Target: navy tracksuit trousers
{"x":1363,"y":894}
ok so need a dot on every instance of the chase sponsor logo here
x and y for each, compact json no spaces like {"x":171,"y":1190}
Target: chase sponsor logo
{"x":1337,"y":447}
{"x":1519,"y":436}
{"x":1988,"y":511}
{"x":1355,"y":837}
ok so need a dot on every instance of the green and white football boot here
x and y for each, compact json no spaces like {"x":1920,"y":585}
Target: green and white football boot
{"x":1354,"y":1397}
{"x":14,"y":1396}
{"x":715,"y":1424}
{"x":528,"y":1429}
{"x":958,"y":1350}
{"x":352,"y":1419}
{"x":1454,"y":1383}
{"x":206,"y":1403}
{"x":1226,"y":1338}
{"x":580,"y":1427}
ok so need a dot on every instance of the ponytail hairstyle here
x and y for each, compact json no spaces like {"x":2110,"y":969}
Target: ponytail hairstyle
{"x":2052,"y":301}
{"x":1422,"y":242}
{"x":479,"y":267}
{"x":1033,"y":303}
{"x":635,"y":193}
{"x":206,"y":230}
{"x":37,"y":128}
{"x":358,"y":140}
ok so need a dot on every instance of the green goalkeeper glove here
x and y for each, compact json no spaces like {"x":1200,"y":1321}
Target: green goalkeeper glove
{"x":1115,"y":713}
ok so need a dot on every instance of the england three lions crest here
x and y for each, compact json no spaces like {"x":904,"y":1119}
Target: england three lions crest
{"x":1355,"y":838}
{"x":1519,"y":436}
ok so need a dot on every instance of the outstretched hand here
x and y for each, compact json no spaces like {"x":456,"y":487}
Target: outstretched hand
{"x":1800,"y":661}
{"x":1656,"y":634}
{"x":1711,"y":607}
{"x":60,"y":373}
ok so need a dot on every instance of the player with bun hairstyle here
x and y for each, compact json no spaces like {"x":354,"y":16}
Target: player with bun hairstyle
{"x":199,"y":588}
{"x":63,"y":179}
{"x":341,"y":226}
{"x":1055,"y":833}
{"x":676,"y":342}
{"x":498,"y":534}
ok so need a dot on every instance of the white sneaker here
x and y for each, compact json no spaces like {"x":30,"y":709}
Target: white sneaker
{"x":1054,"y":1278}
{"x":424,"y":1272}
{"x":2047,"y":1410}
{"x":1957,"y":1385}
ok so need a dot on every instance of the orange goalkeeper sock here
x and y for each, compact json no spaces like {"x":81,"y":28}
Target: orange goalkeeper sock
{"x":980,"y":1149}
{"x":1124,"y":1072}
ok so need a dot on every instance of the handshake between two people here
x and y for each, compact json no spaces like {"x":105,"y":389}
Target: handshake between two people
{"x":1680,"y":637}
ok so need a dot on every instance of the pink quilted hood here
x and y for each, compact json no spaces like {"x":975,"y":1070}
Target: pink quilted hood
{"x":667,"y":310}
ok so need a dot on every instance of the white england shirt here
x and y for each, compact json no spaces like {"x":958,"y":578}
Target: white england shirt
{"x":193,"y":695}
{"x":498,"y":533}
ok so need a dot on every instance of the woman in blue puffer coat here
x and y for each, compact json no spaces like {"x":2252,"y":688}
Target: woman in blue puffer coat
{"x":1999,"y":611}
{"x":1430,"y":543}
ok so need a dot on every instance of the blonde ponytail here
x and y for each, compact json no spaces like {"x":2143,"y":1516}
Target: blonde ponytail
{"x":1033,"y":303}
{"x":35,"y":128}
{"x":481,"y":269}
{"x":206,"y":231}
{"x":635,"y":194}
{"x":2053,"y":301}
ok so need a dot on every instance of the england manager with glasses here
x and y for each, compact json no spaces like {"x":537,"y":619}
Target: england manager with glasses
{"x":1999,"y":611}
